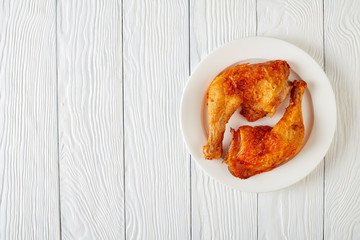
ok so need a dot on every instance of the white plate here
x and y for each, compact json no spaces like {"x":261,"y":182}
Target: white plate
{"x":319,"y":112}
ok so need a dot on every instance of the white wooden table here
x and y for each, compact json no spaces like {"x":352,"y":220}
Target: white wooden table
{"x":90,"y":142}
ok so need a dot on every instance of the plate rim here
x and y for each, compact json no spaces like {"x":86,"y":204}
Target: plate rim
{"x":271,"y":41}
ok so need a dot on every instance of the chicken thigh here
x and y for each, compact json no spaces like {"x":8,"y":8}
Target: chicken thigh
{"x":258,"y":88}
{"x":254,"y":150}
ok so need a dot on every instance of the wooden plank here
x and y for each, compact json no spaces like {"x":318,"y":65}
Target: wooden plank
{"x":219,"y":212}
{"x":297,"y":211}
{"x":29,"y":193}
{"x":342,"y":163}
{"x":157,"y":165}
{"x":91,"y":119}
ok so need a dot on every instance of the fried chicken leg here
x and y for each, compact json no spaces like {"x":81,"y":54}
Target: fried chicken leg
{"x":258,"y":88}
{"x":254,"y":150}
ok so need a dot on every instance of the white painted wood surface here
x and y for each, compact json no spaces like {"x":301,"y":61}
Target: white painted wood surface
{"x":90,"y":119}
{"x":342,"y":163}
{"x":90,"y":142}
{"x":29,"y":194}
{"x":157,"y":173}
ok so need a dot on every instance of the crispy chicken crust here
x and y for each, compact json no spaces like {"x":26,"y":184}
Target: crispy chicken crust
{"x":254,"y":150}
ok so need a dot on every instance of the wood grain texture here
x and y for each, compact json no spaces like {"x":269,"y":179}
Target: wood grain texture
{"x":342,"y":163}
{"x":297,"y":211}
{"x":157,"y":172}
{"x":29,"y":197}
{"x":91,"y":119}
{"x":219,"y":212}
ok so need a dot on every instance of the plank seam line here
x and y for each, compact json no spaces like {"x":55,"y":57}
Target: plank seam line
{"x":257,"y":216}
{"x":323,"y":8}
{"x":256,"y":17}
{"x":123,"y":111}
{"x":57,"y":111}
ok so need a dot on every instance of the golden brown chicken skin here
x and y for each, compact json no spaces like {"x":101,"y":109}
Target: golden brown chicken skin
{"x":258,"y":88}
{"x":254,"y":150}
